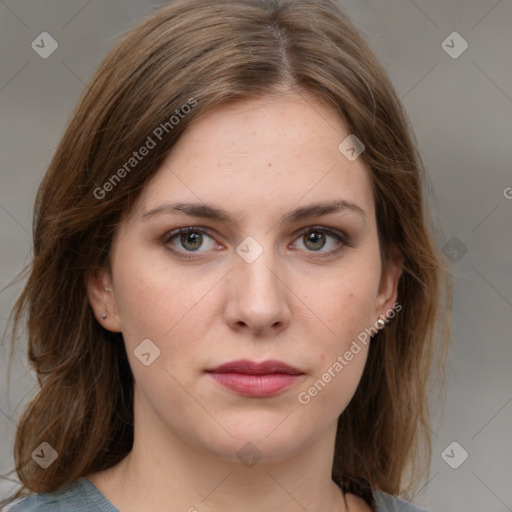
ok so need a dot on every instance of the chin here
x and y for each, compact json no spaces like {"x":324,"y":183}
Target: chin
{"x":258,"y":440}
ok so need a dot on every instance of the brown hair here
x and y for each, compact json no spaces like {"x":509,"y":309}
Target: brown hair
{"x":211,"y":53}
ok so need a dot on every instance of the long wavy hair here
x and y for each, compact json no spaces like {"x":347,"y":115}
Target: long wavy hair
{"x":217,"y":52}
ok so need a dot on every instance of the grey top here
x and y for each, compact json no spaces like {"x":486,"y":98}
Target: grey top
{"x":83,"y":496}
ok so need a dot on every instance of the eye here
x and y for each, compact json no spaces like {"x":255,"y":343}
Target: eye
{"x":189,"y":239}
{"x":314,"y":239}
{"x":184,"y":242}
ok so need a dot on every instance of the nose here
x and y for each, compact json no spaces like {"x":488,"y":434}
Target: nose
{"x":257,"y":297}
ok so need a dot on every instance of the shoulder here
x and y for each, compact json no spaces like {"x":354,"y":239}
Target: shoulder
{"x":388,"y":503}
{"x":79,"y":496}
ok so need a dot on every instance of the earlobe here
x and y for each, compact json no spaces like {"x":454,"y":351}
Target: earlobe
{"x":102,"y":299}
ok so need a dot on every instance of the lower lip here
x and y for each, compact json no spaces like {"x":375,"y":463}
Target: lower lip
{"x":256,"y":385}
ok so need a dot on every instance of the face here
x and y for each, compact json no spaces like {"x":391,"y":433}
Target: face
{"x":277,"y":260}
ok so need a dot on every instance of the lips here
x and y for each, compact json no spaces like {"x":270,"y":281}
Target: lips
{"x":249,"y":378}
{"x":247,"y":367}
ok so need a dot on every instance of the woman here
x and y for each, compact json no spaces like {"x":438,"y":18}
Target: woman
{"x":234,"y":297}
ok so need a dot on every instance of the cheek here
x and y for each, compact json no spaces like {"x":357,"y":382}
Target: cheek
{"x":145,"y":297}
{"x":168,"y":307}
{"x":340,"y":357}
{"x":347,"y":303}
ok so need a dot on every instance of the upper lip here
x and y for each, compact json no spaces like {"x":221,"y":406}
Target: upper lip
{"x":248,"y":367}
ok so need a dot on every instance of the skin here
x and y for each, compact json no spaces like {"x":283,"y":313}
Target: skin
{"x":258,"y":160}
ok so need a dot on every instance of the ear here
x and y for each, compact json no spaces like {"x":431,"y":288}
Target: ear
{"x":102,"y":299}
{"x":388,"y":287}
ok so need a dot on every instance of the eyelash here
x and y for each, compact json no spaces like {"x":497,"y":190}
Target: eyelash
{"x":340,"y":236}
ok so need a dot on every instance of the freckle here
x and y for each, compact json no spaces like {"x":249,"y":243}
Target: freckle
{"x":270,"y":165}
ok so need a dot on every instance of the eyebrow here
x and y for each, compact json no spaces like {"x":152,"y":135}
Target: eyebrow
{"x":205,"y":211}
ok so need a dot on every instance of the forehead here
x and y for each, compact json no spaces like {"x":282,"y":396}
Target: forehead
{"x":262,"y":156}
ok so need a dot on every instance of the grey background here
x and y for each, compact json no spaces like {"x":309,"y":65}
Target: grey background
{"x":461,"y":110}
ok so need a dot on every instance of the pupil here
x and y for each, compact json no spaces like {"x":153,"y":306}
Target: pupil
{"x":195,"y":239}
{"x":315,"y":238}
